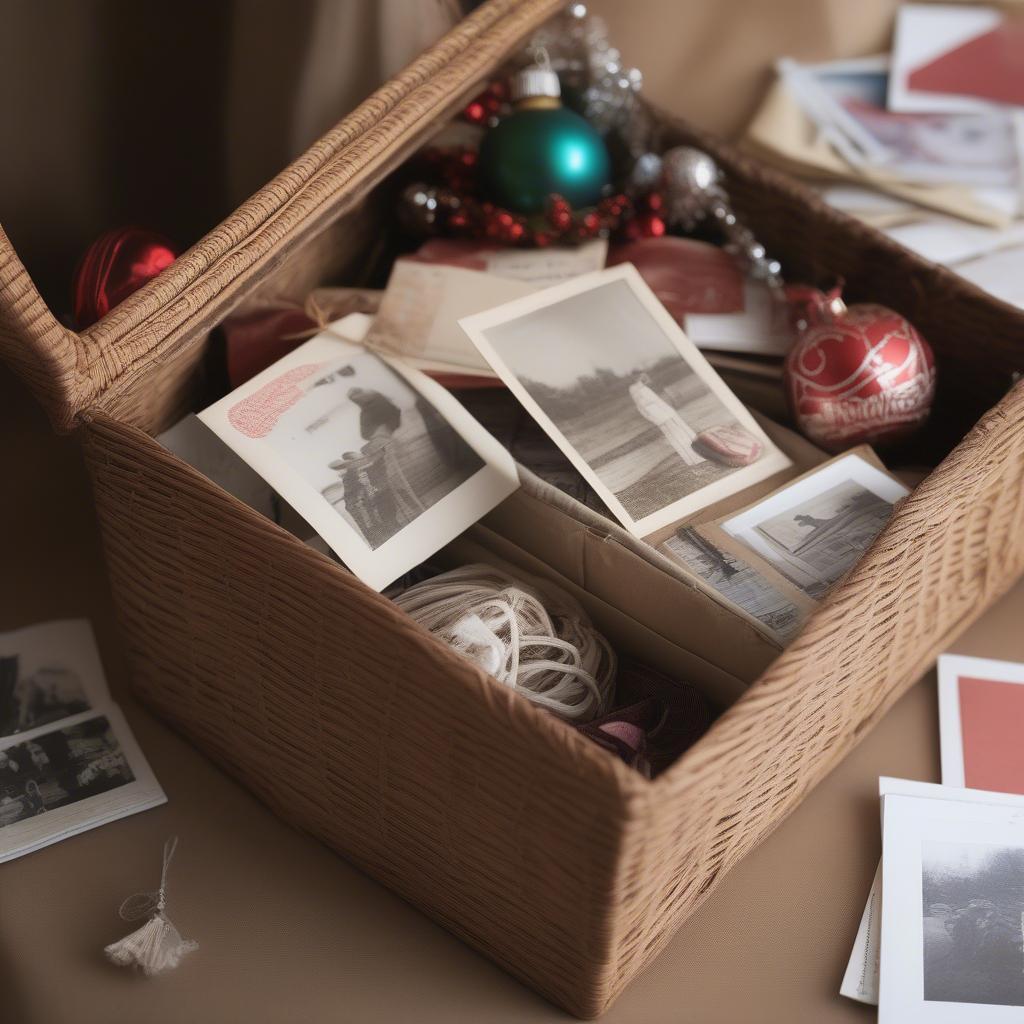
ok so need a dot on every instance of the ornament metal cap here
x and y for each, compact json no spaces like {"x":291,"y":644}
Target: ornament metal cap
{"x":532,"y":82}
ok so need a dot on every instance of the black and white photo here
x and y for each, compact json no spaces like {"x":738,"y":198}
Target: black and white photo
{"x":737,"y":581}
{"x":381,"y":461}
{"x":972,"y":908}
{"x":611,"y":377}
{"x":48,"y":672}
{"x":952,"y":945}
{"x":815,"y":529}
{"x":59,"y":768}
{"x":58,"y":781}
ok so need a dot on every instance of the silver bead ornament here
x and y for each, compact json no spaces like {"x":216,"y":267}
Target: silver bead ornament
{"x":693,"y":192}
{"x":646,"y":174}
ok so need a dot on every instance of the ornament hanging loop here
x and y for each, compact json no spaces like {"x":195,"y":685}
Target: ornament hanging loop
{"x":541,"y":57}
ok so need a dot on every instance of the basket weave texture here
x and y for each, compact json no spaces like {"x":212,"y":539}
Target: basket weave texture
{"x":356,"y":725}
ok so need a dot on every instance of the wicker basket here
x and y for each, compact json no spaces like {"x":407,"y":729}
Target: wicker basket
{"x":538,"y":848}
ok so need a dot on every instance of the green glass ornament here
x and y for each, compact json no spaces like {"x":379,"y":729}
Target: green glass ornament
{"x":542,"y":148}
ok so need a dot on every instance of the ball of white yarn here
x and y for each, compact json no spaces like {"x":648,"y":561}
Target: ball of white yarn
{"x":536,"y":639}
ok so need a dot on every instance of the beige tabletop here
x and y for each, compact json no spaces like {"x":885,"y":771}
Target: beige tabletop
{"x":291,"y":933}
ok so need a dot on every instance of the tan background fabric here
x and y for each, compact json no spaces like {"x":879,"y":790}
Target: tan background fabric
{"x":240,"y":87}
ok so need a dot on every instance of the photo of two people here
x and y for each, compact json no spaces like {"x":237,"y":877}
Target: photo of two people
{"x":383,"y":464}
{"x":402,"y":458}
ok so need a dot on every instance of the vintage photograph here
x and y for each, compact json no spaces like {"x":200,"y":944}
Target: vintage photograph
{"x":814,"y":530}
{"x":972,"y":906}
{"x":60,"y":768}
{"x":952,"y":948}
{"x":57,"y":782}
{"x":739,"y":583}
{"x":382,"y":462}
{"x":632,"y":403}
{"x":48,"y":672}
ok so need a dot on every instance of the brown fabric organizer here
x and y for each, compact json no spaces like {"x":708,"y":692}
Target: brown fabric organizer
{"x":540,"y":849}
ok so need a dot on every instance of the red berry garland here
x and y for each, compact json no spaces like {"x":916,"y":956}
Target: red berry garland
{"x":488,"y":106}
{"x":455,"y":209}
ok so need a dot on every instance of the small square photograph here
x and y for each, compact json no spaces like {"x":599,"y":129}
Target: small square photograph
{"x":952,"y":939}
{"x":48,"y":672}
{"x":632,"y":403}
{"x":380,"y":460}
{"x":815,"y":529}
{"x":861,"y":979}
{"x":56,"y":782}
{"x":737,"y":581}
{"x":981,"y":723}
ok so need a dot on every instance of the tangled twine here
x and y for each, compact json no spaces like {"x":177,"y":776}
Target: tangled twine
{"x":540,"y":643}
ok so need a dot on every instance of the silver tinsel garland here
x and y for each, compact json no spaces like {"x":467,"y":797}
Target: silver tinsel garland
{"x":608,"y":94}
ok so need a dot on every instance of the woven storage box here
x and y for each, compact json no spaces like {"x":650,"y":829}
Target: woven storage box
{"x":538,"y":848}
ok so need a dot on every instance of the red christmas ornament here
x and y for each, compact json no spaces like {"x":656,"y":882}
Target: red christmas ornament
{"x":115,"y":265}
{"x":857,"y":374}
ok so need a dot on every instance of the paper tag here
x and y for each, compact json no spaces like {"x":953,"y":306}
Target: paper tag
{"x":420,"y":311}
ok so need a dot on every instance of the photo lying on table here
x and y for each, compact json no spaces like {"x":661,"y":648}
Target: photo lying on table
{"x":952,"y":911}
{"x":616,"y":384}
{"x":57,"y":782}
{"x":981,"y":723}
{"x":860,"y":981}
{"x":813,"y":530}
{"x":381,"y":461}
{"x":48,"y":672}
{"x":737,"y":581}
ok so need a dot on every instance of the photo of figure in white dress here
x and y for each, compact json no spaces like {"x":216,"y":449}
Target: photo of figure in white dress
{"x":679,"y":434}
{"x":627,"y":397}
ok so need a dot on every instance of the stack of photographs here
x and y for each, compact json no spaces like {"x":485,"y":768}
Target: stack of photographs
{"x":68,"y":761}
{"x":778,"y":557}
{"x":941,"y":939}
{"x":639,"y":413}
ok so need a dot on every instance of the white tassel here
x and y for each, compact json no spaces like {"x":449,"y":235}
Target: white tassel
{"x":156,"y":946}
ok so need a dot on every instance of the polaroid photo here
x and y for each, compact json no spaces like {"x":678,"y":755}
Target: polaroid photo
{"x":981,"y":723}
{"x":737,"y":582}
{"x":616,"y":384}
{"x":48,"y":672}
{"x":380,"y":461}
{"x":813,"y":530}
{"x":58,"y":781}
{"x":860,"y":981}
{"x":952,"y":936}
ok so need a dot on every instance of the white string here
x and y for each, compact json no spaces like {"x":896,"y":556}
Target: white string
{"x":535,"y":639}
{"x":157,"y":946}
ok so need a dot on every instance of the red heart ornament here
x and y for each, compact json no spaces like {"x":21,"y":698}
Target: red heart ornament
{"x":115,"y":265}
{"x":858,"y":374}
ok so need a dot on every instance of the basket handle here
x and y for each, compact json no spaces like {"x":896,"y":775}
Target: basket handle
{"x":172,"y":313}
{"x":40,"y":349}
